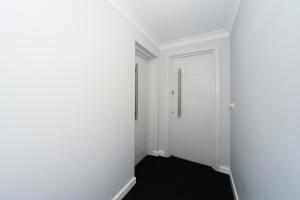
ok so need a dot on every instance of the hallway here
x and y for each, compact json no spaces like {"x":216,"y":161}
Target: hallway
{"x":172,"y":178}
{"x":149,"y":100}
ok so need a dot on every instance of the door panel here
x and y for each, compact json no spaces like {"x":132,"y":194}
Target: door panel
{"x":192,"y":132}
{"x":141,"y":123}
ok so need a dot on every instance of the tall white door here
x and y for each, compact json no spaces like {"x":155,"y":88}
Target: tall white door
{"x":192,"y":130}
{"x":141,"y":121}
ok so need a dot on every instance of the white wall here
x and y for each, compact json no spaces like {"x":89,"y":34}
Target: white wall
{"x":223,"y":44}
{"x":67,"y":99}
{"x":265,"y":86}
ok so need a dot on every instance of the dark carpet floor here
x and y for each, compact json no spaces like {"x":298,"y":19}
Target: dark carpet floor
{"x":173,"y":179}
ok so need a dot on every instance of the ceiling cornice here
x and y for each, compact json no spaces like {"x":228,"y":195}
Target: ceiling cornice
{"x":196,"y":38}
{"x":138,"y":24}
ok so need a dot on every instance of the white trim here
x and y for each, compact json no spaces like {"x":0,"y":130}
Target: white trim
{"x":153,"y":106}
{"x":224,"y":169}
{"x":162,"y":153}
{"x":234,"y":190}
{"x":193,"y":54}
{"x":155,"y":153}
{"x":215,"y":152}
{"x":122,"y":193}
{"x":195,"y":39}
{"x":135,"y":21}
{"x":143,"y":52}
{"x":159,"y":153}
{"x":152,"y":65}
{"x":216,"y":140}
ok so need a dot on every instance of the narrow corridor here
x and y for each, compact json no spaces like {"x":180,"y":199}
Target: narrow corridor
{"x":161,"y":178}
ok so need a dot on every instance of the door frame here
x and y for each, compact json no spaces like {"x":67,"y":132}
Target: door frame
{"x":215,"y":143}
{"x":153,"y":65}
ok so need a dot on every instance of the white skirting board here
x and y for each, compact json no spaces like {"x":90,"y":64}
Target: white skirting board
{"x":159,"y":153}
{"x":235,"y":193}
{"x":155,"y":153}
{"x":122,"y":193}
{"x":224,"y":170}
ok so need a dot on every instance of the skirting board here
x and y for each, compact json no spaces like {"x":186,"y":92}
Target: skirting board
{"x":159,"y":153}
{"x":224,"y":170}
{"x":155,"y":153}
{"x":122,"y":193}
{"x":235,"y":193}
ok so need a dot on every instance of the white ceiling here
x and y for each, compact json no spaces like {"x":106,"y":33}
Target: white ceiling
{"x":168,"y":20}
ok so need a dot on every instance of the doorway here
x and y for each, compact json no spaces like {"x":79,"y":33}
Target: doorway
{"x":195,"y":107}
{"x":146,"y":106}
{"x":141,"y":108}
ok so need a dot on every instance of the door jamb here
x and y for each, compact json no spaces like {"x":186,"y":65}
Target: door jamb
{"x":152,"y":62}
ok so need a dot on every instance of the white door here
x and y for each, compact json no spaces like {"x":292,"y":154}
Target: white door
{"x":141,"y":121}
{"x":192,"y":131}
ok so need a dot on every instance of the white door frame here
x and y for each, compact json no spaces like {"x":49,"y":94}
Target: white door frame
{"x":153,"y":64}
{"x":215,"y":145}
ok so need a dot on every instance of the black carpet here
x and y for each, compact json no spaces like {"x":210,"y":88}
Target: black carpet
{"x":173,"y":179}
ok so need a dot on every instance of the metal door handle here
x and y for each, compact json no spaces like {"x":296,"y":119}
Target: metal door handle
{"x":179,"y":92}
{"x":136,"y":104}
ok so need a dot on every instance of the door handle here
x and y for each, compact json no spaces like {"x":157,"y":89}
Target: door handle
{"x":179,"y":93}
{"x":136,"y":104}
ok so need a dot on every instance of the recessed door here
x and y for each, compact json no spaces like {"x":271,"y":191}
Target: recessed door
{"x":193,"y":106}
{"x":141,"y":109}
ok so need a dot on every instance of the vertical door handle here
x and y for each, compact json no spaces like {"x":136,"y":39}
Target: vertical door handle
{"x":136,"y":104}
{"x":179,"y":92}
